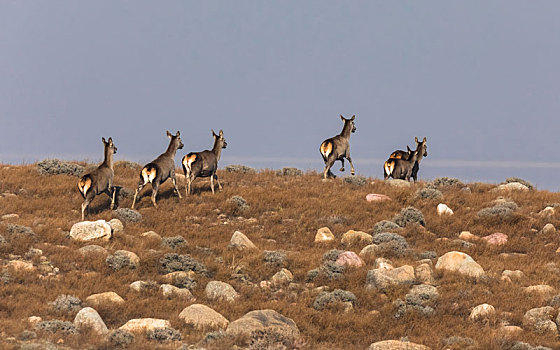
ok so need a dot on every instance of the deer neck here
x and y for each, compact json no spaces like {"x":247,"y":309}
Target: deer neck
{"x":108,"y":158}
{"x":171,"y":149}
{"x":420,"y":153}
{"x":346,"y":130}
{"x":217,"y":149}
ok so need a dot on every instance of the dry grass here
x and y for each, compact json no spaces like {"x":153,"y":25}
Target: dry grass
{"x":288,"y":211}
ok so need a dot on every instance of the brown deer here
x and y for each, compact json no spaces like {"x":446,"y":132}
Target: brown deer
{"x":397,"y":168}
{"x":205,"y":163}
{"x":398,"y":154}
{"x":338,"y":147}
{"x":160,"y":169}
{"x":99,"y":180}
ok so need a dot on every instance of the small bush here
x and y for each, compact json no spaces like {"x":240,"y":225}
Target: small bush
{"x":242,"y":169}
{"x":27,"y":335}
{"x":121,"y":338}
{"x":289,"y":172}
{"x":408,"y":215}
{"x":355,"y":180}
{"x":429,"y":193}
{"x":326,"y":299}
{"x":56,"y":167}
{"x":119,"y":260}
{"x":391,"y":243}
{"x":164,"y":334}
{"x":55,"y":326}
{"x":174,"y":262}
{"x":127,"y":215}
{"x":185,"y":282}
{"x":236,"y":205}
{"x":20,"y":230}
{"x":2,"y":239}
{"x":332,"y":270}
{"x":447,"y":182}
{"x":521,"y":181}
{"x":385,"y":226}
{"x":502,"y":210}
{"x":67,"y":304}
{"x":269,"y":340}
{"x":274,"y":258}
{"x":174,"y":242}
{"x":332,"y":255}
{"x":214,"y":336}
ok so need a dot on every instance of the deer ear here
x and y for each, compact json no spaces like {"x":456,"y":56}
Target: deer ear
{"x":169,"y":134}
{"x":424,"y":139}
{"x":213,"y":133}
{"x":341,"y":117}
{"x":221,"y":132}
{"x":110,"y":140}
{"x":103,"y":140}
{"x":408,"y":148}
{"x":416,"y":139}
{"x":353,"y":117}
{"x":178,"y":133}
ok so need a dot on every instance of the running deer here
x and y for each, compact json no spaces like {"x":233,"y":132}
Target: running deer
{"x":399,"y":168}
{"x":338,"y":147}
{"x":205,"y":163}
{"x":160,"y":169}
{"x":99,"y":180}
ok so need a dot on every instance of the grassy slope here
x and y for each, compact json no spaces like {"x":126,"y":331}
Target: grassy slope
{"x":288,"y":212}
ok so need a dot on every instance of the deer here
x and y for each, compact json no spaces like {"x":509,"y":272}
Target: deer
{"x":99,"y":180}
{"x":205,"y":163}
{"x":398,"y":154}
{"x":160,"y":169}
{"x":398,"y":168}
{"x":338,"y":147}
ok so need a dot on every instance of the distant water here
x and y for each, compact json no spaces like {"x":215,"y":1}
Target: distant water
{"x":544,"y":176}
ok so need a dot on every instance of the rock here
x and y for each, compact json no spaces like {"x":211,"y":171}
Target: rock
{"x":9,"y":216}
{"x":240,"y":242}
{"x":512,"y":186}
{"x":549,"y":229}
{"x":92,"y":249}
{"x":151,"y":235}
{"x":547,"y":212}
{"x":467,"y":236}
{"x":356,"y":237}
{"x":105,"y":300}
{"x":349,"y":259}
{"x":88,"y":318}
{"x":116,"y":225}
{"x":374,"y":197}
{"x":461,"y":263}
{"x":89,"y":230}
{"x":21,"y":266}
{"x":282,"y":278}
{"x":383,"y":264}
{"x":203,"y":317}
{"x":540,"y":320}
{"x":497,"y":239}
{"x":337,"y":297}
{"x":541,"y":289}
{"x":265,"y":321}
{"x":174,"y":277}
{"x":443,"y":209}
{"x":127,"y":215}
{"x":140,"y":286}
{"x":424,"y":274}
{"x":396,"y":345}
{"x":382,"y":278}
{"x":369,"y":251}
{"x":324,"y":234}
{"x":398,"y":183}
{"x":420,"y":299}
{"x":217,"y":290}
{"x":509,"y":275}
{"x":144,"y":325}
{"x":169,"y":291}
{"x":510,"y":331}
{"x":122,"y":259}
{"x":483,"y":313}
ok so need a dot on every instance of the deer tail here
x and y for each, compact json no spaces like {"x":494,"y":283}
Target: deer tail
{"x":84,"y":185}
{"x":389,"y":166}
{"x":326,"y":149}
{"x":148,"y":173}
{"x":188,"y":160}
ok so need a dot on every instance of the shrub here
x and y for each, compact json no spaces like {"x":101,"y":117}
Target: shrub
{"x":385,"y":226}
{"x":274,"y":258}
{"x":502,"y":210}
{"x":2,"y":239}
{"x":391,"y":243}
{"x":174,"y":262}
{"x":214,"y":336}
{"x":236,"y":205}
{"x":27,"y":335}
{"x":236,"y":168}
{"x":332,"y":270}
{"x":521,"y":181}
{"x":408,"y":215}
{"x":326,"y":299}
{"x":447,"y":182}
{"x":20,"y":230}
{"x":332,"y":255}
{"x":269,"y":340}
{"x":56,"y":167}
{"x":127,"y":215}
{"x":289,"y":172}
{"x":174,"y":242}
{"x":55,"y":326}
{"x":120,"y":260}
{"x":355,"y":180}
{"x":66,"y":303}
{"x":185,"y":282}
{"x":429,"y":193}
{"x":121,"y":338}
{"x":164,"y":334}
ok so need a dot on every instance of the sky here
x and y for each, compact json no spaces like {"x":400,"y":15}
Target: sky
{"x":479,"y":79}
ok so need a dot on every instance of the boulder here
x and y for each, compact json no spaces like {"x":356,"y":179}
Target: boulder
{"x":92,"y":249}
{"x":374,"y":197}
{"x":461,"y":263}
{"x":424,"y":274}
{"x":540,"y":320}
{"x":203,"y":317}
{"x":396,"y":345}
{"x":324,"y":234}
{"x":443,"y":209}
{"x":282,"y":278}
{"x":144,"y":325}
{"x":89,"y":230}
{"x":240,"y":242}
{"x":540,"y":289}
{"x":116,"y":225}
{"x":356,"y":237}
{"x":467,"y":236}
{"x":383,"y":278}
{"x":21,"y":266}
{"x":483,"y":313}
{"x":369,"y":251}
{"x":217,"y":290}
{"x":263,"y":320}
{"x":512,"y":186}
{"x":549,"y":229}
{"x":169,"y":291}
{"x":105,"y":299}
{"x":349,"y":259}
{"x":398,"y":183}
{"x":497,"y":239}
{"x":88,"y":318}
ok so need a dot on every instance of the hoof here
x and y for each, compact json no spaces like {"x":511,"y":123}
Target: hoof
{"x":341,"y":169}
{"x":353,"y":173}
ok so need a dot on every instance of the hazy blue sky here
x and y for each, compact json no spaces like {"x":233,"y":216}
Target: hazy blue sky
{"x":479,"y":79}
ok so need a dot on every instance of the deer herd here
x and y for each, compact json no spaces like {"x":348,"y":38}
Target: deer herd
{"x":400,"y":165}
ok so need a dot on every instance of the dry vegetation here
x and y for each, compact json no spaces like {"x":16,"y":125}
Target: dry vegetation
{"x":287,"y":212}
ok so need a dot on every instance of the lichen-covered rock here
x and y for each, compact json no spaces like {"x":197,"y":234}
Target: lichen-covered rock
{"x":105,"y":299}
{"x":127,"y":215}
{"x":57,"y":167}
{"x":396,"y":345}
{"x":324,"y":234}
{"x":116,"y":225}
{"x":123,"y":259}
{"x":217,"y":290}
{"x":263,"y":320}
{"x":329,"y":299}
{"x":483,"y":313}
{"x":88,"y":318}
{"x":383,"y":278}
{"x":89,"y":230}
{"x":282,"y":278}
{"x":240,"y":242}
{"x":203,"y":317}
{"x":352,"y":237}
{"x":139,"y":325}
{"x":540,"y":320}
{"x":461,"y":263}
{"x":409,"y":215}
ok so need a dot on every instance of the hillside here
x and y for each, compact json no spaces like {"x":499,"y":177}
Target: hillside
{"x":398,"y":292}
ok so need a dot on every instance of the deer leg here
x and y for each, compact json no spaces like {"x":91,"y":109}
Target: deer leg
{"x":155,"y":188}
{"x":113,"y":198}
{"x":327,"y":172}
{"x":351,"y":165}
{"x":84,"y":208}
{"x":175,"y":185}
{"x":218,"y":181}
{"x":342,"y":161}
{"x":212,"y":183}
{"x":140,"y":187}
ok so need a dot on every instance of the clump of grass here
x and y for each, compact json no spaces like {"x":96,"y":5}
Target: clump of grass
{"x":127,"y":215}
{"x":164,"y":334}
{"x":385,"y":226}
{"x":174,"y":242}
{"x":57,"y":167}
{"x":521,"y":181}
{"x":429,"y":192}
{"x":328,"y":299}
{"x":447,"y":182}
{"x":174,"y":262}
{"x":355,"y":180}
{"x":289,"y":172}
{"x":409,"y":215}
{"x":121,"y":339}
{"x":68,"y":304}
{"x":55,"y":326}
{"x":242,"y":169}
